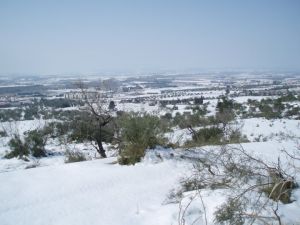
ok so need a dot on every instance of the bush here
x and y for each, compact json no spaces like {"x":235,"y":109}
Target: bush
{"x":74,"y":156}
{"x":36,"y":141}
{"x":248,"y":178}
{"x":19,"y":148}
{"x":10,"y":114}
{"x":31,"y":112}
{"x":111,"y":105}
{"x":225,"y":104}
{"x":131,"y":154}
{"x":289,"y":97}
{"x":270,"y":108}
{"x":59,"y":103}
{"x":230,"y":213}
{"x":295,"y":111}
{"x":144,"y":130}
{"x":33,"y":165}
{"x":179,"y":120}
{"x":279,"y":189}
{"x":87,"y":130}
{"x":51,"y":129}
{"x":3,"y":133}
{"x":84,"y":127}
{"x":206,"y":136}
{"x":236,"y":136}
{"x":192,"y":120}
{"x":139,"y":132}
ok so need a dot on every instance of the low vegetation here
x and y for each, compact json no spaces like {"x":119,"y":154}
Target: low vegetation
{"x":206,"y":136}
{"x":74,"y":156}
{"x":3,"y":133}
{"x":19,"y":148}
{"x":137,"y":133}
{"x":32,"y":144}
{"x":252,"y":185}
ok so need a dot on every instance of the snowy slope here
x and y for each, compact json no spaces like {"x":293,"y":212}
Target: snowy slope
{"x":100,"y":192}
{"x":94,"y":192}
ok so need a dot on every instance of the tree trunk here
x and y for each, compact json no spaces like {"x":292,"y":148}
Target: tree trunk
{"x":100,"y":149}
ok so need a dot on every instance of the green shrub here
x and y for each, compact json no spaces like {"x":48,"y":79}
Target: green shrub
{"x":289,"y":97}
{"x":192,"y":120}
{"x":225,"y":104}
{"x":131,"y":154}
{"x":74,"y":156}
{"x":206,"y":136}
{"x":36,"y":141}
{"x":33,"y":144}
{"x":87,"y":130}
{"x":230,"y":212}
{"x":139,"y":132}
{"x":295,"y":111}
{"x":236,"y":136}
{"x":31,"y":112}
{"x":3,"y":133}
{"x":10,"y":114}
{"x":180,"y":121}
{"x":59,"y":102}
{"x":19,"y":148}
{"x":144,"y":130}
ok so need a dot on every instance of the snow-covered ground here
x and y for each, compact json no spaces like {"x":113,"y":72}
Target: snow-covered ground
{"x":260,"y":129}
{"x":244,"y":99}
{"x":20,"y":127}
{"x":102,"y":192}
{"x":94,"y":192}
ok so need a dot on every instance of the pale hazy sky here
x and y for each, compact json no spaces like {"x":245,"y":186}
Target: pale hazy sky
{"x":59,"y":36}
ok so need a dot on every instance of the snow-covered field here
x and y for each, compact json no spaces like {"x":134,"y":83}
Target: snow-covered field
{"x":260,"y":128}
{"x":94,"y":192}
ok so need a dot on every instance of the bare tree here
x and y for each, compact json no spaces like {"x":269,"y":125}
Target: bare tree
{"x":99,"y":116}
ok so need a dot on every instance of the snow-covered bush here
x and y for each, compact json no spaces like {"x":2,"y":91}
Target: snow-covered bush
{"x":131,"y":154}
{"x":137,"y":133}
{"x":19,"y":148}
{"x":36,"y":141}
{"x":253,"y":187}
{"x":33,"y":143}
{"x":74,"y":156}
{"x":3,"y":133}
{"x":10,"y":114}
{"x":230,"y":212}
{"x":235,"y":136}
{"x":206,"y":136}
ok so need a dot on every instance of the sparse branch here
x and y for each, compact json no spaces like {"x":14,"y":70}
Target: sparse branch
{"x":99,"y":116}
{"x":290,"y":155}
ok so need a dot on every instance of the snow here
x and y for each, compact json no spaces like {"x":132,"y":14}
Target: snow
{"x":20,"y":127}
{"x":179,"y":136}
{"x":244,"y":99}
{"x":102,"y":192}
{"x":94,"y":192}
{"x":135,"y":107}
{"x":56,"y":151}
{"x":270,"y":129}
